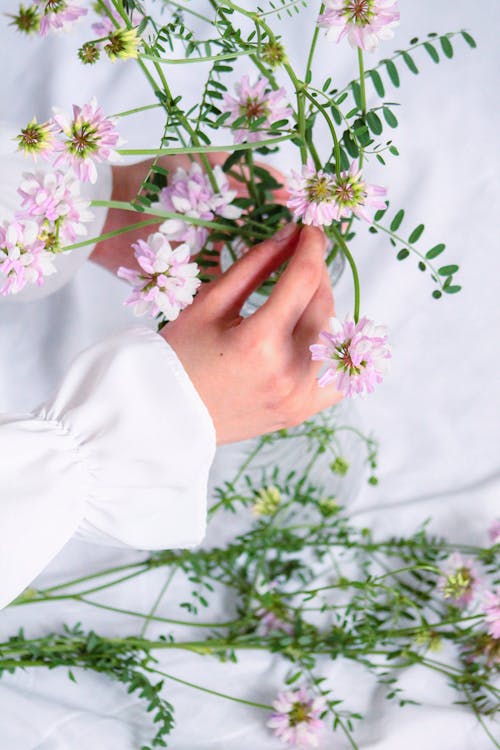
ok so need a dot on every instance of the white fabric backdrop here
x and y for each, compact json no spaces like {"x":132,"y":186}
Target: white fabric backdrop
{"x":436,"y":415}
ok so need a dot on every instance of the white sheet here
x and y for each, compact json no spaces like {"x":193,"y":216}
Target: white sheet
{"x":436,"y":415}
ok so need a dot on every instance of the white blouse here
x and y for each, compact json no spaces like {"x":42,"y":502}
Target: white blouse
{"x":119,"y":455}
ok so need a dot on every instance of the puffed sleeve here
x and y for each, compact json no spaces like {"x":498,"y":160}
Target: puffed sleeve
{"x":120,"y":454}
{"x":12,"y":167}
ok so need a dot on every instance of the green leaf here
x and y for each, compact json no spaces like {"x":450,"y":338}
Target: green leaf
{"x":377,"y":82}
{"x":350,"y":145}
{"x":393,"y":150}
{"x":392,"y":72}
{"x":447,"y":270}
{"x":435,"y":251}
{"x":71,"y":676}
{"x":446,"y":46}
{"x":410,"y":62}
{"x":356,"y":92}
{"x":397,"y":221}
{"x":469,"y":39}
{"x":404,"y":253}
{"x":433,"y":53}
{"x":390,"y":117}
{"x":453,"y":289}
{"x":416,"y":234}
{"x":421,"y":266}
{"x":380,"y":213}
{"x":436,"y":294}
{"x":374,"y":122}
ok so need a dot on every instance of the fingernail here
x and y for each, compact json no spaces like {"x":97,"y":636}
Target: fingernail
{"x":285,"y":233}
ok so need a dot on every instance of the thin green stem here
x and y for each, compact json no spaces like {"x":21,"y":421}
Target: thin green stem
{"x":362,"y":86}
{"x":355,"y":276}
{"x":205,"y":149}
{"x":265,"y":706}
{"x":109,"y":235}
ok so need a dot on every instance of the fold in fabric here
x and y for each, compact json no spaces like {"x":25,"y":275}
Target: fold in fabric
{"x":121,"y":455}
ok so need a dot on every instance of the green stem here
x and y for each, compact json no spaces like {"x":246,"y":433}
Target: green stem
{"x":205,"y":149}
{"x":109,"y":235}
{"x":331,"y":127}
{"x":362,"y":86}
{"x":265,"y":706}
{"x":354,"y":270}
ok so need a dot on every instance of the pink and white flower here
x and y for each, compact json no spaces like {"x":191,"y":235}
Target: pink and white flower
{"x":492,"y":613}
{"x":90,"y":137}
{"x":55,"y":197}
{"x":259,"y":108}
{"x":312,"y":196}
{"x":167,"y":281}
{"x":23,"y":258}
{"x":494,"y":532}
{"x":192,"y":195}
{"x":356,"y":354}
{"x":364,"y":22}
{"x":319,"y":198}
{"x":296,"y":719}
{"x":59,"y":15}
{"x":459,"y":581}
{"x":270,"y":621}
{"x":105,"y":25}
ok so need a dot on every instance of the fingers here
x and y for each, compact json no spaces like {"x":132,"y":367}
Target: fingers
{"x":226,"y":296}
{"x":315,"y":317}
{"x":297,"y":285}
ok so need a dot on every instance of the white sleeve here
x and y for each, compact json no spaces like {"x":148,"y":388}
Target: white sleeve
{"x":120,"y":454}
{"x":12,"y":166}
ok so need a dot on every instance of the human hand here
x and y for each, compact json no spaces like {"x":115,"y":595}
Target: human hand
{"x":127,"y":180}
{"x":255,"y":375}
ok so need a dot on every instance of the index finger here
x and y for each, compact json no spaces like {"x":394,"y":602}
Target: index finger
{"x":297,"y":285}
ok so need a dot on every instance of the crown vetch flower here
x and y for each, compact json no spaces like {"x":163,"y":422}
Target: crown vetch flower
{"x":37,"y":138}
{"x":296,"y":719}
{"x":191,"y":193}
{"x":319,"y":198}
{"x":267,"y":501}
{"x":353,"y":195}
{"x":167,"y":281}
{"x":312,"y":196}
{"x":356,"y":355}
{"x":255,"y":109}
{"x":364,"y":22}
{"x":23,"y":258}
{"x":459,"y":581}
{"x":26,"y":20}
{"x":55,"y":197}
{"x":59,"y":15}
{"x":90,"y":137}
{"x":122,"y":44}
{"x":492,"y":613}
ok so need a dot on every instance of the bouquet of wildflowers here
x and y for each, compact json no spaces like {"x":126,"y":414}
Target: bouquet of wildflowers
{"x":207,"y":207}
{"x":392,"y":603}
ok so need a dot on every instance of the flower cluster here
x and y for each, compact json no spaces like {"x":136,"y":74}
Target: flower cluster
{"x":166,"y":282}
{"x":254,"y":110}
{"x":44,"y":16}
{"x":356,"y":354}
{"x":23,"y":257}
{"x":364,"y":22}
{"x":296,"y":718}
{"x":320,"y":198}
{"x":52,"y":211}
{"x":77,"y":142}
{"x":191,"y":193}
{"x":267,"y":501}
{"x":461,"y":586}
{"x":459,"y":581}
